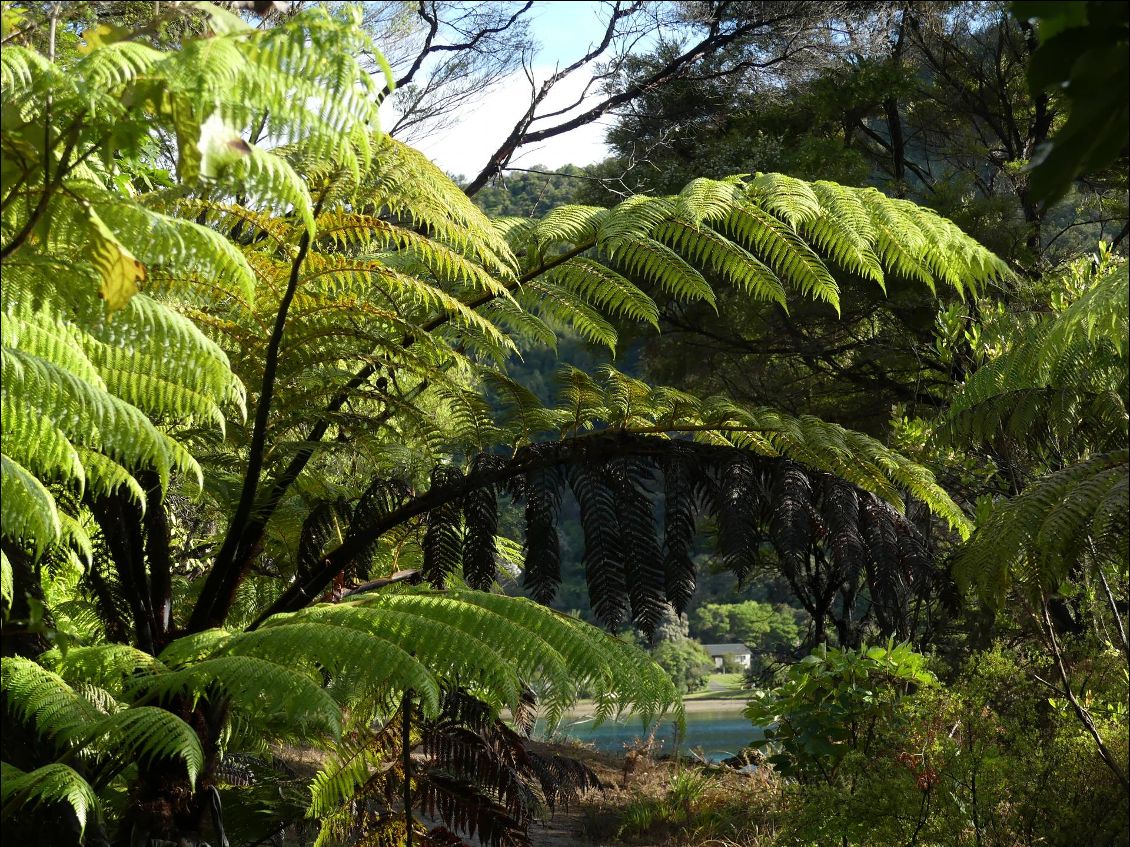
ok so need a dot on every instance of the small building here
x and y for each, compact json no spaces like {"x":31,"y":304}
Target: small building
{"x":736,"y":653}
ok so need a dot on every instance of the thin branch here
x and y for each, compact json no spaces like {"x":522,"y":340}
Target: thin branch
{"x":400,"y":576}
{"x":1082,"y":713}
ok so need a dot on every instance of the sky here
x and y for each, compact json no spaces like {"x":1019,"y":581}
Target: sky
{"x":565,"y":29}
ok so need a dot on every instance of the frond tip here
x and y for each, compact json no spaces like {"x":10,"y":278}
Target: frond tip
{"x":48,"y":785}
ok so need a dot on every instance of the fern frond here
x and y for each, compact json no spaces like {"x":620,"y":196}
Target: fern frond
{"x":44,"y":700}
{"x":556,"y":305}
{"x":605,"y":289}
{"x":784,"y":251}
{"x":145,"y":734}
{"x":657,"y":263}
{"x":104,"y":665}
{"x":7,"y":584}
{"x":27,"y":510}
{"x":603,"y":558}
{"x":1067,"y":374}
{"x":50,"y":784}
{"x":270,"y":694}
{"x":789,"y":198}
{"x":1035,"y":538}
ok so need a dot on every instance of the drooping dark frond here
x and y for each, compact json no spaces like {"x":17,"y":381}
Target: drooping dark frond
{"x":323,"y":526}
{"x":884,"y":578}
{"x":603,"y":558}
{"x":480,"y":515}
{"x":643,"y":561}
{"x":791,"y":522}
{"x":442,"y":543}
{"x":679,"y":510}
{"x":376,"y":502}
{"x":542,"y":573}
{"x":827,"y":533}
{"x":839,"y":507}
{"x":739,"y":499}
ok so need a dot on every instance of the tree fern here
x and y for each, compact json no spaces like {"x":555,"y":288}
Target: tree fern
{"x":74,"y":379}
{"x":366,"y":302}
{"x":1060,"y":390}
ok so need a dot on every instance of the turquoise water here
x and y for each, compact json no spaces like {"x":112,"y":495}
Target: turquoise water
{"x":716,"y":734}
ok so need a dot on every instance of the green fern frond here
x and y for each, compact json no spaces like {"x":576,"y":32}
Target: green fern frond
{"x":789,"y":198}
{"x":622,"y":676}
{"x":557,"y":305}
{"x":655,"y":262}
{"x":738,"y":266}
{"x":605,"y":289}
{"x":54,"y":783}
{"x":44,"y":699}
{"x":27,"y":509}
{"x":368,"y":662}
{"x":706,"y":200}
{"x":620,"y":401}
{"x":844,"y":231}
{"x":117,"y":64}
{"x":1101,"y":313}
{"x":784,"y":251}
{"x":349,"y":767}
{"x":146,"y":734}
{"x":407,"y":184}
{"x":1035,"y":538}
{"x":1066,"y":375}
{"x":7,"y":583}
{"x":104,"y":665}
{"x":34,"y":442}
{"x":449,"y":645}
{"x":264,"y":692}
{"x":520,"y":323}
{"x":568,"y":225}
{"x":522,"y":412}
{"x":471,"y":418}
{"x":96,"y":417}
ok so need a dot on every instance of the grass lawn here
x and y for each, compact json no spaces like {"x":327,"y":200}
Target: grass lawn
{"x":721,"y":686}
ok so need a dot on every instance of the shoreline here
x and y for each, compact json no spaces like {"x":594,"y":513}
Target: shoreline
{"x":585,"y":709}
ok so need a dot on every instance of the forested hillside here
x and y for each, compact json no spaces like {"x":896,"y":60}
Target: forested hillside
{"x":338,"y":492}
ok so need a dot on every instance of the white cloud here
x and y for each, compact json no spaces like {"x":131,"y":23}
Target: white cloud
{"x":466,"y":146}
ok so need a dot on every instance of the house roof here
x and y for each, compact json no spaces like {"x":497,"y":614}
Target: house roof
{"x":726,"y":649}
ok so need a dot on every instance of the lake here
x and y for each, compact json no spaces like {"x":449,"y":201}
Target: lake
{"x":717,"y":733}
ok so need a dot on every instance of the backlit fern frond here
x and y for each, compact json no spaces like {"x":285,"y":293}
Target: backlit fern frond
{"x":47,"y":785}
{"x":273,"y":697}
{"x":1066,"y":376}
{"x":413,"y":189}
{"x":389,"y":642}
{"x":1033,"y":540}
{"x":56,"y":711}
{"x":767,"y":236}
{"x":82,"y":389}
{"x":105,"y":665}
